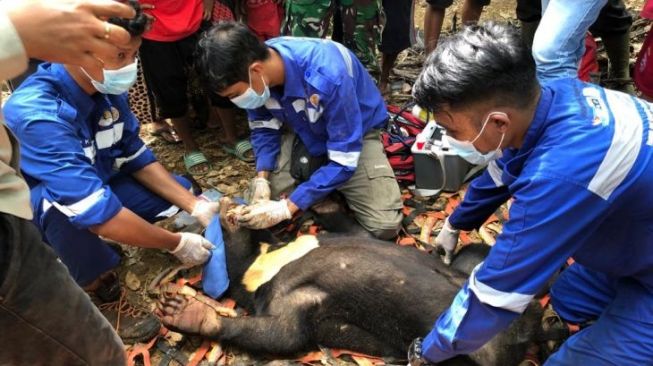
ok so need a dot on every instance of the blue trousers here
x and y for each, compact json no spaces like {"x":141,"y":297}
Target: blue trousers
{"x":559,"y":42}
{"x":623,"y":310}
{"x":83,"y":252}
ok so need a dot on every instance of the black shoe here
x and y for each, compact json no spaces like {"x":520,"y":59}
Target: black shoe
{"x":133,"y":325}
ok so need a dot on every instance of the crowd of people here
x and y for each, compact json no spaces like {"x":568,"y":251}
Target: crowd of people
{"x":74,"y":173}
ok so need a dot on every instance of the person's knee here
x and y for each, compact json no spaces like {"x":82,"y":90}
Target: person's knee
{"x":543,"y":51}
{"x":612,"y":340}
{"x":384,"y":225}
{"x":84,"y":253}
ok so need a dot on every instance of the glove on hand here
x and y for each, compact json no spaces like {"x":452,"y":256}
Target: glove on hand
{"x":193,"y":249}
{"x":259,"y":190}
{"x":447,"y":239}
{"x":204,"y":211}
{"x":265,"y":214}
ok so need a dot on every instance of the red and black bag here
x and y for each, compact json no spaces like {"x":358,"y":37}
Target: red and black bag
{"x":588,"y":69}
{"x":398,"y":138}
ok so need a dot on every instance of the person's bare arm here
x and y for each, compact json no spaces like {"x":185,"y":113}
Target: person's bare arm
{"x":69,"y":31}
{"x":129,"y":228}
{"x":158,"y":180}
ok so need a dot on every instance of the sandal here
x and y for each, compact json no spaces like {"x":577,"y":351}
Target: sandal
{"x":193,"y":159}
{"x":241,"y":151}
{"x":167,"y":134}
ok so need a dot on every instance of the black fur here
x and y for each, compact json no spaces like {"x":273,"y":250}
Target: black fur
{"x":355,"y":293}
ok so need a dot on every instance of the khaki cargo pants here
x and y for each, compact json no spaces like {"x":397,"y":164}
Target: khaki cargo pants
{"x":372,"y":192}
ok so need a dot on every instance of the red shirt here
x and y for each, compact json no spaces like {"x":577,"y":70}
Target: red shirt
{"x":174,"y":19}
{"x":647,"y":10}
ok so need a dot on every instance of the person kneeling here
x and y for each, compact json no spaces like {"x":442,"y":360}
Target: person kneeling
{"x":310,"y":98}
{"x":90,"y":175}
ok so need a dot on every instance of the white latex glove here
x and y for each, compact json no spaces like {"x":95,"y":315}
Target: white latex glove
{"x":265,"y":214}
{"x":447,"y":239}
{"x":204,"y":211}
{"x":193,"y":249}
{"x":259,"y":190}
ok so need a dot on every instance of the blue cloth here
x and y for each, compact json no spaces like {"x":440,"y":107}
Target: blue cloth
{"x":581,"y":185}
{"x":83,"y":252}
{"x":330,"y":101}
{"x":215,"y":279}
{"x":559,"y":42}
{"x":580,"y":294}
{"x":622,"y":334}
{"x":72,"y":144}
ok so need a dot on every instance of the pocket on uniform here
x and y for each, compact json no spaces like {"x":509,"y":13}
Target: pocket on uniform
{"x":383,"y":184}
{"x":378,"y":168}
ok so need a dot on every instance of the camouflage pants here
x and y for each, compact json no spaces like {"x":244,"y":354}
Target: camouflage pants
{"x":362,"y":23}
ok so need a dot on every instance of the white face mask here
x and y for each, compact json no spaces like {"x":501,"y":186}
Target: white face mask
{"x":250,"y":99}
{"x":467,"y":151}
{"x":116,"y":82}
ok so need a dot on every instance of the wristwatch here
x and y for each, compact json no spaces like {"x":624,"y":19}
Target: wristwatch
{"x":415,"y":354}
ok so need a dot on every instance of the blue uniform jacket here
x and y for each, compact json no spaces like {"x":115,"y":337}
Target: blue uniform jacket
{"x":581,"y":184}
{"x":330,"y":101}
{"x":72,"y":144}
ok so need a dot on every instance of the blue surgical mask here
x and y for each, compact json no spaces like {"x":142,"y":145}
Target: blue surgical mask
{"x":116,"y":82}
{"x":250,"y":99}
{"x":467,"y":151}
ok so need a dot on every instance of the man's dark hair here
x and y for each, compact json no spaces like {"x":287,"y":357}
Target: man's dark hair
{"x":225,"y":53}
{"x":135,"y":26}
{"x":487,"y":62}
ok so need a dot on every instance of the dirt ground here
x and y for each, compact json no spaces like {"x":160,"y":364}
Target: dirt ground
{"x":230,"y":176}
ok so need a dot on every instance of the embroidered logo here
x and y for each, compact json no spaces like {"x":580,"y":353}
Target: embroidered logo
{"x":315,"y":100}
{"x":115,"y":114}
{"x":106,"y":119}
{"x":109,"y":116}
{"x":597,"y":105}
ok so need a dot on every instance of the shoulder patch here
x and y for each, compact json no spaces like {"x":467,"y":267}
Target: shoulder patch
{"x":315,"y":100}
{"x":115,"y":114}
{"x":106,"y":119}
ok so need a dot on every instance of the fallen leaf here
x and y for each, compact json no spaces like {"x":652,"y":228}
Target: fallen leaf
{"x":496,"y":227}
{"x":361,"y":361}
{"x":311,"y":357}
{"x":492,"y":218}
{"x":173,"y":338}
{"x":212,"y":173}
{"x":425,"y":234}
{"x":227,"y":189}
{"x":407,"y":241}
{"x":132,"y":281}
{"x":464,"y":238}
{"x":486,"y":236}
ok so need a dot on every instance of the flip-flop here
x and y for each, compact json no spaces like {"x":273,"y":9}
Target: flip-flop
{"x":167,"y":134}
{"x":239,"y":150}
{"x":193,"y":159}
